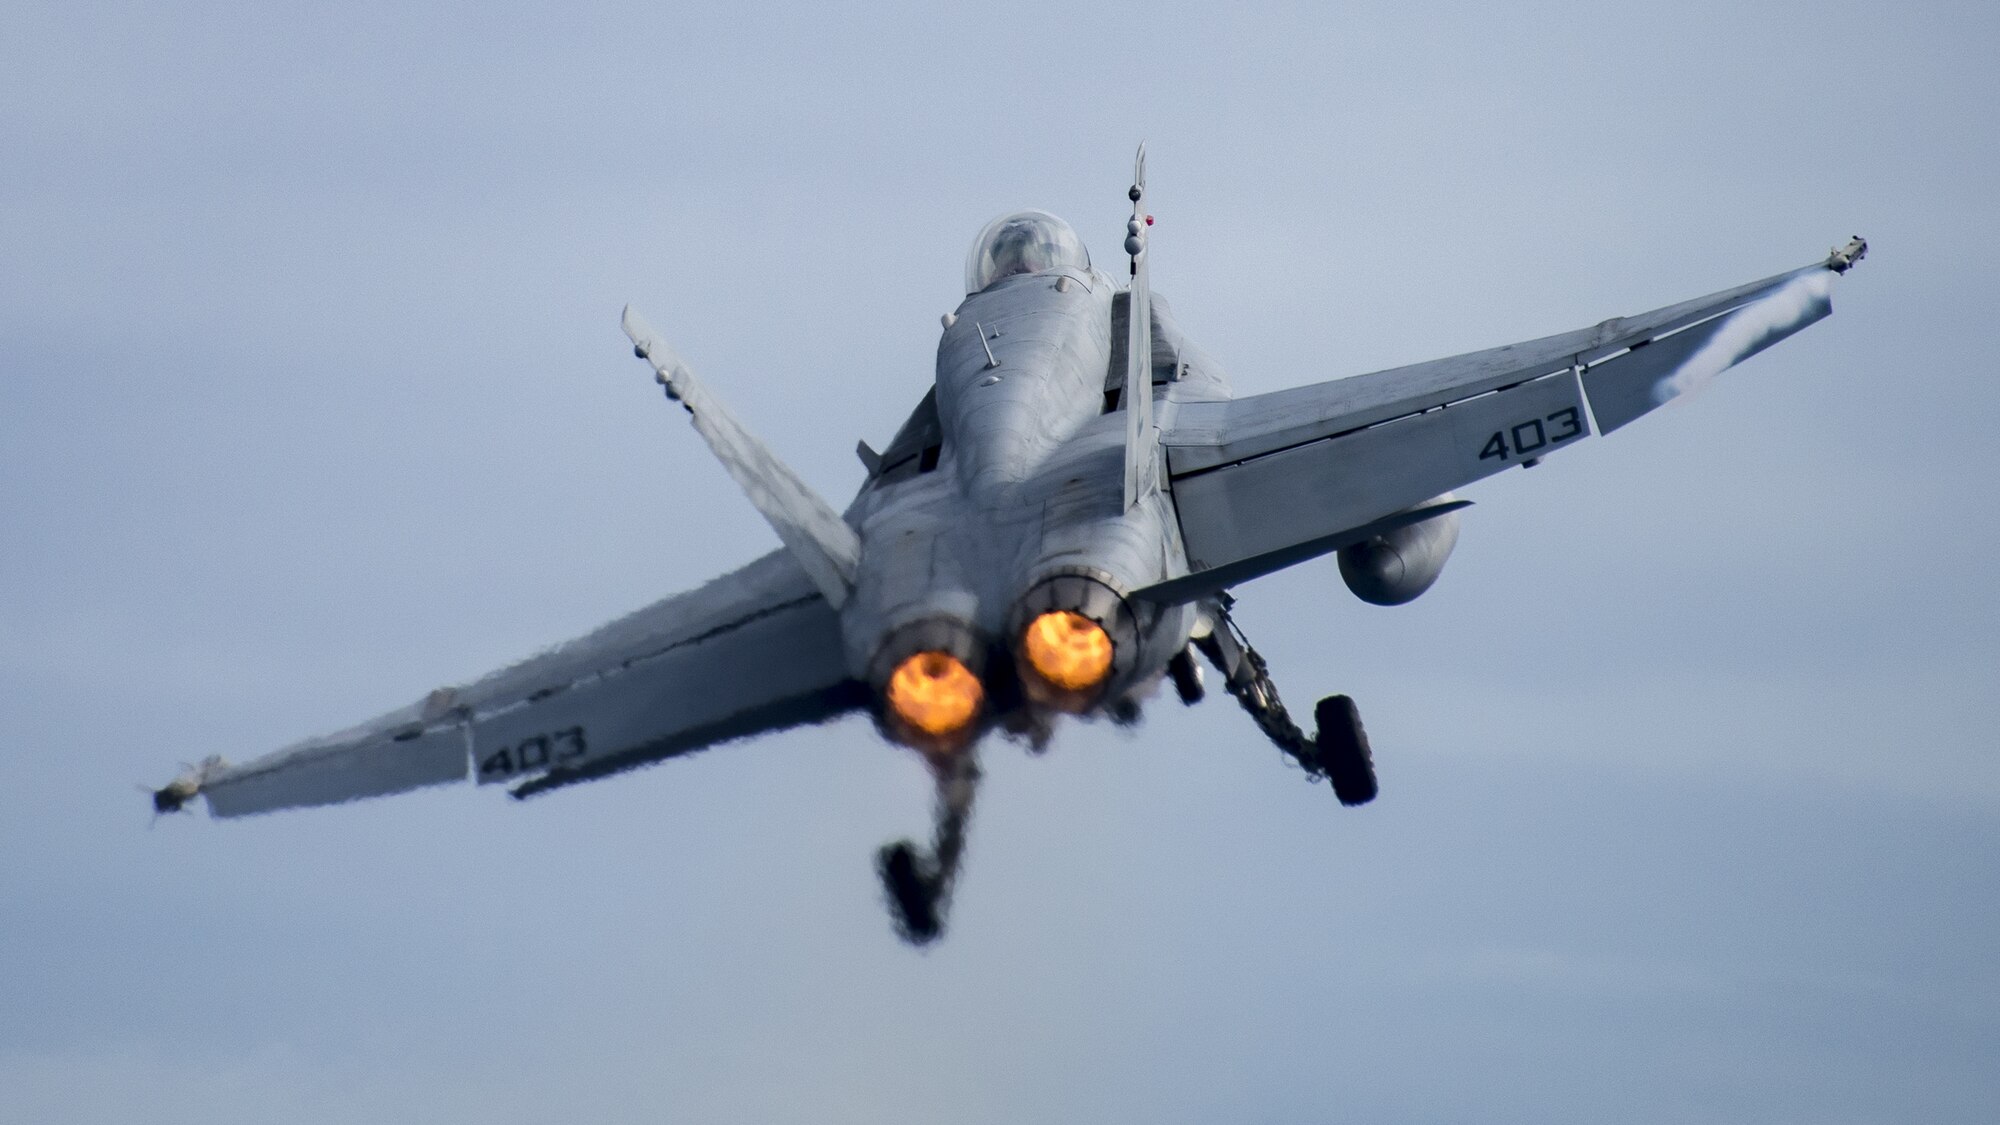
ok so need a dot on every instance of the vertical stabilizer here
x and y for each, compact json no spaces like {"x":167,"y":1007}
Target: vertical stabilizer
{"x":824,"y":545}
{"x":1141,"y":436}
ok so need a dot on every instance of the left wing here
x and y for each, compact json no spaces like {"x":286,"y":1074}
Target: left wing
{"x":1263,"y":482}
{"x":754,"y":650}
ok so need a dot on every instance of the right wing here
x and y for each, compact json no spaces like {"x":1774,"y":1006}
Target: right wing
{"x":751,"y":651}
{"x":1263,"y":482}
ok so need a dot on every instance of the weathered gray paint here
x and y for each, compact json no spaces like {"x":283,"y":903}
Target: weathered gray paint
{"x":730,"y":649}
{"x":1322,"y":487}
{"x":824,"y":546}
{"x":1397,"y":566}
{"x":1028,"y":483}
{"x":1006,"y":493}
{"x":1217,"y":432}
{"x":1255,"y":479}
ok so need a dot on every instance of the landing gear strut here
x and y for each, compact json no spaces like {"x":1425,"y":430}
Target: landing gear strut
{"x":1337,"y":751}
{"x":918,"y":886}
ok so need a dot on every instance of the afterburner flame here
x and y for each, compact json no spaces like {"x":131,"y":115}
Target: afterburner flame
{"x":1068,"y":650}
{"x":935,"y":693}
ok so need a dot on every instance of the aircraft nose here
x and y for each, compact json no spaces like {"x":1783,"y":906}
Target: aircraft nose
{"x":1073,"y":635}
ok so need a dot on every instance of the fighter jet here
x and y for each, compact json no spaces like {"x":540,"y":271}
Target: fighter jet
{"x":1055,"y":531}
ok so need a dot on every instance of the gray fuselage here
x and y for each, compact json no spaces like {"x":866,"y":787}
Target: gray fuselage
{"x":1013,"y":502}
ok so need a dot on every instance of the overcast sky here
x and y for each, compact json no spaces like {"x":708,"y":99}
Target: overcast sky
{"x":312,"y":398}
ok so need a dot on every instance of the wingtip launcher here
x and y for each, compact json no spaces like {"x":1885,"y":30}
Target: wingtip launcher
{"x":1844,"y":257}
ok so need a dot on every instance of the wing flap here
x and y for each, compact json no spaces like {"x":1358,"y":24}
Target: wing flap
{"x":790,"y":653}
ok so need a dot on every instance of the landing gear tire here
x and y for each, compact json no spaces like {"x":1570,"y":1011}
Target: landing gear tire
{"x":913,"y":899}
{"x":1343,"y":750}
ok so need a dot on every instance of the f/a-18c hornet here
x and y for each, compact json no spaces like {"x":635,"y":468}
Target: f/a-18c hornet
{"x":1054,"y":531}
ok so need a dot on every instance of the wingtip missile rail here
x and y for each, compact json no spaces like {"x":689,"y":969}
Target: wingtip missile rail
{"x":1844,"y":257}
{"x":175,"y":794}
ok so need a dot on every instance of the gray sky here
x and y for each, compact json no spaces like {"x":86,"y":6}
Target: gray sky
{"x":312,"y":397}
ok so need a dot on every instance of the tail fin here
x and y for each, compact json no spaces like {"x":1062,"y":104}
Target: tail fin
{"x":824,"y":545}
{"x":1142,"y":438}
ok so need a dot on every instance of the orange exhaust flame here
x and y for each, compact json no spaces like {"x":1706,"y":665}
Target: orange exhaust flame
{"x":1068,"y":650}
{"x":935,"y":693}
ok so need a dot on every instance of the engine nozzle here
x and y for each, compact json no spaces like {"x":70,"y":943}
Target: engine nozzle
{"x":1067,"y":649}
{"x":927,"y":675}
{"x":934,"y":692}
{"x":1073,"y":636}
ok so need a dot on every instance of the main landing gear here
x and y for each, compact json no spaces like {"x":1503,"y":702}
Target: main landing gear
{"x":1343,"y":750}
{"x":918,"y":886}
{"x":917,"y":882}
{"x":1337,"y":750}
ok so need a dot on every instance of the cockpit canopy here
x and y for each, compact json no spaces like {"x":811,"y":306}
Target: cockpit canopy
{"x":1023,"y":242}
